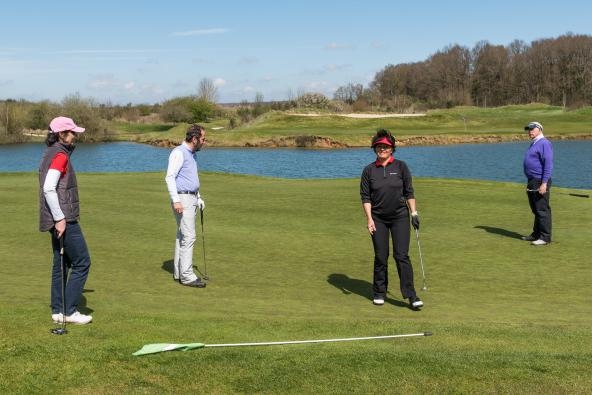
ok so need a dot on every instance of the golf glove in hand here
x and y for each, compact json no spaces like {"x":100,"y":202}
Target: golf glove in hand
{"x":201,"y":204}
{"x":415,"y":220}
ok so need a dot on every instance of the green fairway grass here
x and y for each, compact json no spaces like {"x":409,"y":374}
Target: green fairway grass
{"x":292,"y":260}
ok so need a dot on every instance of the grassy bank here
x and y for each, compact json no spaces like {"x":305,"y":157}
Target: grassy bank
{"x":291,"y":260}
{"x":457,"y":125}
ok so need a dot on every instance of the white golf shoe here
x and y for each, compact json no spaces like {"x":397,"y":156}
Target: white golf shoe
{"x":76,"y":318}
{"x":57,"y":318}
{"x":539,"y":242}
{"x":415,"y":302}
{"x":378,"y":301}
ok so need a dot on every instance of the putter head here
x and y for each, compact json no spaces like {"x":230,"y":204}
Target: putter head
{"x":59,"y":331}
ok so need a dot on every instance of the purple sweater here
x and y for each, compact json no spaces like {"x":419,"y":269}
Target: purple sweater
{"x":538,"y":160}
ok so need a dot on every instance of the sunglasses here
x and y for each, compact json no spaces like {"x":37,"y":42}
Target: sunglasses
{"x":383,"y":147}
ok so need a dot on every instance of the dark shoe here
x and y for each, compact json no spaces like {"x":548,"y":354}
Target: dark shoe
{"x":529,"y":238}
{"x":196,"y":284}
{"x":415,"y":302}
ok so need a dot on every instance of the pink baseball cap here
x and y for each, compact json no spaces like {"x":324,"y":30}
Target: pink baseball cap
{"x":63,"y":124}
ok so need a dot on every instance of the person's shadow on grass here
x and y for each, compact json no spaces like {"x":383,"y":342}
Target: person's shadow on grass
{"x":362,"y":288}
{"x":82,"y":303}
{"x":499,"y":231}
{"x":167,"y":266}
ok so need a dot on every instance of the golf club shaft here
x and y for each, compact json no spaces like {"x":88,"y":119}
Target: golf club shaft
{"x":203,"y":243}
{"x":63,"y":270}
{"x":317,"y":341}
{"x":420,"y":258}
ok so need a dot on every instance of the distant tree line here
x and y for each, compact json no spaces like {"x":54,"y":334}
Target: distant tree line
{"x":554,"y":71}
{"x":20,"y":119}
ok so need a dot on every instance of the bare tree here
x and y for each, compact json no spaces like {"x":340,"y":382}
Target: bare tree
{"x":349,"y":93}
{"x":448,"y":76}
{"x":207,"y":90}
{"x":490,"y":63}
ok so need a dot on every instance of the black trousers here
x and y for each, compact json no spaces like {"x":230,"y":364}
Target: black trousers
{"x":399,"y":232}
{"x":539,"y":205}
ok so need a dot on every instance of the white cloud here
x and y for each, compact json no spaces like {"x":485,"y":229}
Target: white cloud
{"x":336,"y":47}
{"x":199,"y":32}
{"x":219,"y":82}
{"x":100,"y":82}
{"x":108,"y":83}
{"x":108,"y":51}
{"x":317,"y":84}
{"x":337,"y":67}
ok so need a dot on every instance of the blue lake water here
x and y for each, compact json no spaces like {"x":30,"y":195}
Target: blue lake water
{"x":497,"y":162}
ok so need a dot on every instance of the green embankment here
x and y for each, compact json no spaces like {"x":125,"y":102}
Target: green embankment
{"x":291,"y":260}
{"x":456,"y":125}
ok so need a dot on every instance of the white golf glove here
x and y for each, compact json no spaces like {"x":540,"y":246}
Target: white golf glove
{"x":200,"y":203}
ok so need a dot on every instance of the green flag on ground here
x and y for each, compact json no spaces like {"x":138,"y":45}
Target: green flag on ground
{"x":162,"y":347}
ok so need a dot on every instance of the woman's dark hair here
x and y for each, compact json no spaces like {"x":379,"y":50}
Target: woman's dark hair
{"x":194,"y":130}
{"x":51,"y":138}
{"x":381,"y":133}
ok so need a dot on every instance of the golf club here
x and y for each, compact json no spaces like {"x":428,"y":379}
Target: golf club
{"x":203,"y":242}
{"x":424,"y":288}
{"x":62,"y":329}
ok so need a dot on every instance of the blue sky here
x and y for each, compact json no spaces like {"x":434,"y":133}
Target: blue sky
{"x":147,"y":52}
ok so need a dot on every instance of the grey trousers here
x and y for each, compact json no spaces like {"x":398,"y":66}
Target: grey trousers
{"x":185,"y":240}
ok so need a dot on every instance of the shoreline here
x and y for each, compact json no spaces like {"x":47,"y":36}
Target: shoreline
{"x":321,"y":142}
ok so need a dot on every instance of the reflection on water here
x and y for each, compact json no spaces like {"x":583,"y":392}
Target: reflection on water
{"x":498,"y":162}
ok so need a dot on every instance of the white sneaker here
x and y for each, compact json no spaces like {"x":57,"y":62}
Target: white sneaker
{"x":415,"y":302}
{"x":78,"y":319}
{"x":378,"y":301}
{"x":539,"y":242}
{"x":57,"y":318}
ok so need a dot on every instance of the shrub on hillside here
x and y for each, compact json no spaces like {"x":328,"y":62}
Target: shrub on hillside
{"x":39,"y":115}
{"x":84,"y":112}
{"x":187,"y":109}
{"x":12,"y":121}
{"x":313,"y":100}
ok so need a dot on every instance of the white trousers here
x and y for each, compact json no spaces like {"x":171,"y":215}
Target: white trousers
{"x":185,"y":240}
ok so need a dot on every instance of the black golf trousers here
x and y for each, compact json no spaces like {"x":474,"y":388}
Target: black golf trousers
{"x":539,"y":205}
{"x":399,"y":232}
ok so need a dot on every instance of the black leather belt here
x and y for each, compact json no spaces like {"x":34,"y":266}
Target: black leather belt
{"x":187,"y":192}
